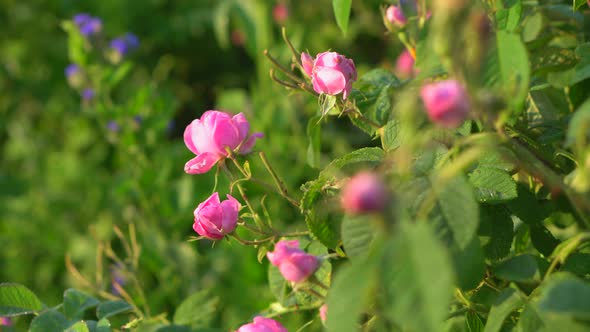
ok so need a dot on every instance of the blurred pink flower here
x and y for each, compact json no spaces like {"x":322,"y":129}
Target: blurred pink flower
{"x":209,"y":136}
{"x":331,"y":73}
{"x":295,"y":264}
{"x":215,"y":219}
{"x":363,"y":193}
{"x":261,"y":324}
{"x":446,"y":103}
{"x":280,"y":13}
{"x":5,"y":321}
{"x":404,"y":66}
{"x":324,"y":313}
{"x":395,"y":16}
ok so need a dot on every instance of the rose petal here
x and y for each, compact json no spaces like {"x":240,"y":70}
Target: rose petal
{"x":188,"y":137}
{"x":329,"y":81}
{"x":201,"y":163}
{"x":249,"y":143}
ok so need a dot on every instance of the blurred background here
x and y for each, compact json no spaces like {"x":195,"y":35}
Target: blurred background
{"x":85,"y":175}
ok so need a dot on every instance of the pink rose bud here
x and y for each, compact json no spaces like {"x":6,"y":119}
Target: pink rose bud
{"x":209,"y":136}
{"x":404,"y":66}
{"x":262,"y":324}
{"x":307,"y":63}
{"x":446,"y":103}
{"x":324,"y":313}
{"x":332,"y":74}
{"x":295,"y":264}
{"x":280,"y":13}
{"x":215,"y":219}
{"x":364,"y":193}
{"x":396,"y":16}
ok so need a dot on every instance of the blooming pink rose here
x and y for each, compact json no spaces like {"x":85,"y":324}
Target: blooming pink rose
{"x":209,"y":136}
{"x":262,"y":324}
{"x":331,"y":73}
{"x":395,"y":16}
{"x":446,"y":103}
{"x":404,"y":66}
{"x":324,"y":313}
{"x":215,"y":219}
{"x":295,"y":264}
{"x":363,"y":193}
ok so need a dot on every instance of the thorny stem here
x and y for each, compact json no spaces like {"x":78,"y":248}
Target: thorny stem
{"x":293,"y":50}
{"x":281,"y":82}
{"x":282,"y":68}
{"x":252,"y":242}
{"x":280,"y":185}
{"x":361,"y":117}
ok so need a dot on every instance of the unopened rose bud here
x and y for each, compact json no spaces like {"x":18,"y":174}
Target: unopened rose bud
{"x":446,"y":103}
{"x":364,"y":193}
{"x":331,"y":73}
{"x":307,"y":63}
{"x":404,"y":66}
{"x":215,"y":219}
{"x":294,"y":264}
{"x":261,"y":324}
{"x":395,"y":16}
{"x":280,"y":13}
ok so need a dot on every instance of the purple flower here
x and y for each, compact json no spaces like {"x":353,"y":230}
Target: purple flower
{"x":71,"y":70}
{"x":117,"y":278}
{"x":87,"y":94}
{"x":138,"y":119}
{"x":122,"y":45}
{"x":88,"y":25}
{"x":113,"y":126}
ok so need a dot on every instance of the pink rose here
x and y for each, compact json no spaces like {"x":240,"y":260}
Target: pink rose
{"x":209,"y":136}
{"x":215,"y":219}
{"x":262,"y":324}
{"x":295,"y":264}
{"x":363,"y":193}
{"x":324,"y":313}
{"x":404,"y":66}
{"x":5,"y":321}
{"x":331,"y":73}
{"x":395,"y":16}
{"x":446,"y":103}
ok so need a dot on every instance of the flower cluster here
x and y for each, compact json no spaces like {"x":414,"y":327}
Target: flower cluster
{"x":87,"y":24}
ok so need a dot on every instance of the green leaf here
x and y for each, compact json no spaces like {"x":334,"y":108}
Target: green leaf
{"x":348,"y":295}
{"x":578,"y":263}
{"x":372,"y":95}
{"x":496,"y":231}
{"x":542,"y":239}
{"x":197,"y":310}
{"x":221,"y":23}
{"x":367,"y":156}
{"x":322,"y":274}
{"x":529,"y":320}
{"x":509,"y":18}
{"x":49,"y":320}
{"x":76,"y":302}
{"x":507,"y":301}
{"x":492,"y":185}
{"x":322,"y":229}
{"x":456,"y":215}
{"x":523,"y":268}
{"x":391,"y":138}
{"x":358,"y":233}
{"x":78,"y":327}
{"x":417,"y":272}
{"x":578,"y":134}
{"x":112,"y":308}
{"x":579,"y":3}
{"x":17,"y":300}
{"x":567,"y":295}
{"x":342,"y":13}
{"x":514,"y":67}
{"x":526,"y":206}
{"x":469,"y":265}
{"x":473,"y":322}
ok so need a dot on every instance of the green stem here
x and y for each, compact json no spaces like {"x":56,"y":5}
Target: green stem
{"x":252,"y":242}
{"x":279,"y":184}
{"x":296,"y":54}
{"x":280,"y":67}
